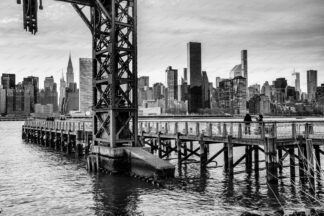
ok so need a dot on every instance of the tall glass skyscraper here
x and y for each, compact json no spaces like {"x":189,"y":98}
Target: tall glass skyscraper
{"x":195,"y":77}
{"x":311,"y":84}
{"x":85,"y":84}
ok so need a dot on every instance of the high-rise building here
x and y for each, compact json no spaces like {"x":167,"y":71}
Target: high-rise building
{"x":172,"y":85}
{"x":311,"y":84}
{"x":236,"y":71}
{"x":62,"y":93}
{"x":158,"y":90}
{"x":85,"y":84}
{"x":3,"y":101}
{"x":244,"y":64}
{"x":239,"y":95}
{"x":195,"y":77}
{"x":49,"y":94}
{"x":69,"y":73}
{"x":266,"y":89}
{"x":31,"y":84}
{"x":205,"y":90}
{"x":143,"y":81}
{"x":8,"y":81}
{"x":225,"y":95}
{"x":218,"y":79}
{"x":280,"y":85}
{"x":297,"y":81}
{"x":185,"y":75}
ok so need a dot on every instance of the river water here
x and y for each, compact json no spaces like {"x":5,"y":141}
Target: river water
{"x":38,"y":181}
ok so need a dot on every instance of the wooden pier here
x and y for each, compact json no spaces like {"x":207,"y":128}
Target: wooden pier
{"x":297,"y":142}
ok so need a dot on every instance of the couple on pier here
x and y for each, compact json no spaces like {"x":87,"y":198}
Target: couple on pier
{"x":248,"y":120}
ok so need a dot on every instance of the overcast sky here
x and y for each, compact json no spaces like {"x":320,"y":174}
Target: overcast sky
{"x":280,"y":35}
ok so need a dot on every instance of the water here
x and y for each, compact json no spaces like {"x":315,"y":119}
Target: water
{"x":38,"y":181}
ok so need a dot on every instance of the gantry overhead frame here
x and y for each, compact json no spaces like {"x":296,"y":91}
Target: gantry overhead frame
{"x":113,"y":25}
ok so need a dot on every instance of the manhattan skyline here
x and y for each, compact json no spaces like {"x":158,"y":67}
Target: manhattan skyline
{"x":280,"y":35}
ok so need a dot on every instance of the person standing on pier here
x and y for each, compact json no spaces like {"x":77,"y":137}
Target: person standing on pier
{"x":247,"y":121}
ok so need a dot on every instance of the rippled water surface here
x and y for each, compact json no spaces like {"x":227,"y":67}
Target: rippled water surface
{"x":38,"y":181}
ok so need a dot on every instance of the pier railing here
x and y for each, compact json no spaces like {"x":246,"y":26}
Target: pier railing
{"x":237,"y":129}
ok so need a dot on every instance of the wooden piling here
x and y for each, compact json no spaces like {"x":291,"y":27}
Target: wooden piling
{"x":279,"y":159}
{"x":230,"y":156}
{"x":256,"y":160}
{"x":203,"y":152}
{"x":318,"y":160}
{"x":178,"y":143}
{"x":248,"y":158}
{"x":270,"y":149}
{"x":226,"y":156}
{"x":159,"y":144}
{"x":310,"y":162}
{"x":69,"y":143}
{"x":292,"y":162}
{"x":79,"y":146}
{"x":301,"y":157}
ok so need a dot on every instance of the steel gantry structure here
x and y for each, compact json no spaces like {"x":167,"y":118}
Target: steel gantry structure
{"x":113,"y":25}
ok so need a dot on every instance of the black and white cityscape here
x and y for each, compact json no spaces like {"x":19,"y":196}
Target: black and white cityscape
{"x":186,"y":91}
{"x":146,"y":107}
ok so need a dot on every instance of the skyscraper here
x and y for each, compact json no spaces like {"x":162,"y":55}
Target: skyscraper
{"x":244,"y":64}
{"x":69,"y":73}
{"x":172,"y":85}
{"x":205,"y":90}
{"x":311,"y":84}
{"x":49,"y":94}
{"x":195,"y":77}
{"x":62,"y":93}
{"x":8,"y":81}
{"x":85,"y":84}
{"x":31,"y":85}
{"x":143,"y":81}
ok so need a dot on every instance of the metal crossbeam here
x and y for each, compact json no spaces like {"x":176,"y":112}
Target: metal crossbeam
{"x":113,"y":24}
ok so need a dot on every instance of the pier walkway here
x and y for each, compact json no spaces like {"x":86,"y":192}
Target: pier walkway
{"x":296,"y":141}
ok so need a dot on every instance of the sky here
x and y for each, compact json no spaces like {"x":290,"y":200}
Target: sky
{"x":280,"y":35}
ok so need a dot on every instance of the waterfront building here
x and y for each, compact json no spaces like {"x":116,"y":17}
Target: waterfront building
{"x":49,"y":94}
{"x":266,"y":89}
{"x":291,"y":94}
{"x":280,"y":85}
{"x":143,"y":81}
{"x":172,"y":85}
{"x":239,"y":97}
{"x":225,"y":95}
{"x":8,"y":81}
{"x":85,"y":84}
{"x":259,"y":104}
{"x":3,"y":101}
{"x":311,"y":84}
{"x":158,"y":91}
{"x":195,"y":77}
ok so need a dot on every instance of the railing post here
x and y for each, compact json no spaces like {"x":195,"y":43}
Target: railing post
{"x":240,"y":131}
{"x":197,"y":129}
{"x":166,"y":128}
{"x":231,"y":129}
{"x":293,"y":129}
{"x":157,"y":127}
{"x":224,"y":130}
{"x":210,"y":129}
{"x":186,"y":128}
{"x":176,"y":128}
{"x":306,"y":131}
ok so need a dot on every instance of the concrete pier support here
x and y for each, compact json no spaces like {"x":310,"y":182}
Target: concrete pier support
{"x":270,"y":149}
